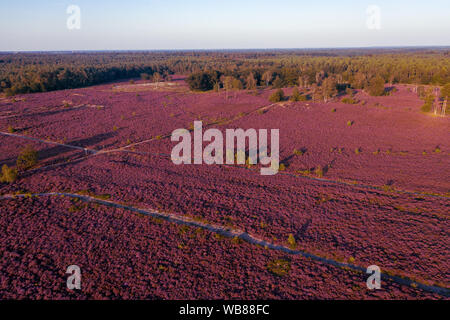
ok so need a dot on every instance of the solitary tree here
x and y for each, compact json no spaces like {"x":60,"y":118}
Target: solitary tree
{"x":237,"y":85}
{"x":267,"y":77}
{"x":296,"y":96}
{"x":156,"y":78}
{"x":251,"y":82}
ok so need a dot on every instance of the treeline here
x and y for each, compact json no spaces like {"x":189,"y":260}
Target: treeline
{"x":359,"y":68}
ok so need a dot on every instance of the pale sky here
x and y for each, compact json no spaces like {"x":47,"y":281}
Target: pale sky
{"x":210,"y":24}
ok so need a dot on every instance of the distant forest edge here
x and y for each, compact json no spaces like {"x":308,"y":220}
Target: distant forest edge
{"x":39,"y":72}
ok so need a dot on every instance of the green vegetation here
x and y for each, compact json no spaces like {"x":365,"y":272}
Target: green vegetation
{"x":296,"y":96}
{"x":11,"y":129}
{"x":203,"y":81}
{"x":9,"y":175}
{"x":357,"y":68}
{"x":279,"y":267}
{"x":428,"y":105}
{"x":291,"y":241}
{"x":349,"y":100}
{"x":319,"y":171}
{"x":445,"y":92}
{"x":27,"y":158}
{"x":277,"y":96}
{"x":376,"y":86}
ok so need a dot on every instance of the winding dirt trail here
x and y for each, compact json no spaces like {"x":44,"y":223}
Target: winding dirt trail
{"x":86,"y":150}
{"x":93,"y":152}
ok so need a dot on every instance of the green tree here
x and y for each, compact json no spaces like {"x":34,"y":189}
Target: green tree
{"x":376,"y":86}
{"x":445,"y":92}
{"x":201,"y":81}
{"x":278,"y":82}
{"x":267,"y":77}
{"x":251,"y":82}
{"x":329,"y":88}
{"x":296,"y":96}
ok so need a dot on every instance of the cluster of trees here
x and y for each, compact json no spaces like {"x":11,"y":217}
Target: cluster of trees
{"x":26,"y":160}
{"x":328,"y":70}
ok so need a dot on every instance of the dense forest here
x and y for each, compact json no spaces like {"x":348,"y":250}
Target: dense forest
{"x":332,"y":68}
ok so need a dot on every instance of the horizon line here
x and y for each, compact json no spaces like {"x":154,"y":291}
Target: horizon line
{"x":231,"y":49}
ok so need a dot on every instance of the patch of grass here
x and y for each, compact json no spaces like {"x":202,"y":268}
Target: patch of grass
{"x":236,"y":240}
{"x":319,"y":171}
{"x":279,"y":267}
{"x":349,"y":100}
{"x":11,"y":129}
{"x":306,"y":172}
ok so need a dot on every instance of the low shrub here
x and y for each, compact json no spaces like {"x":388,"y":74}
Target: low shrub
{"x":279,"y":267}
{"x":11,"y":129}
{"x":319,"y":171}
{"x":428,"y":105}
{"x":349,"y":100}
{"x":27,"y":158}
{"x":9,"y":175}
{"x":291,"y":241}
{"x":277,"y":96}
